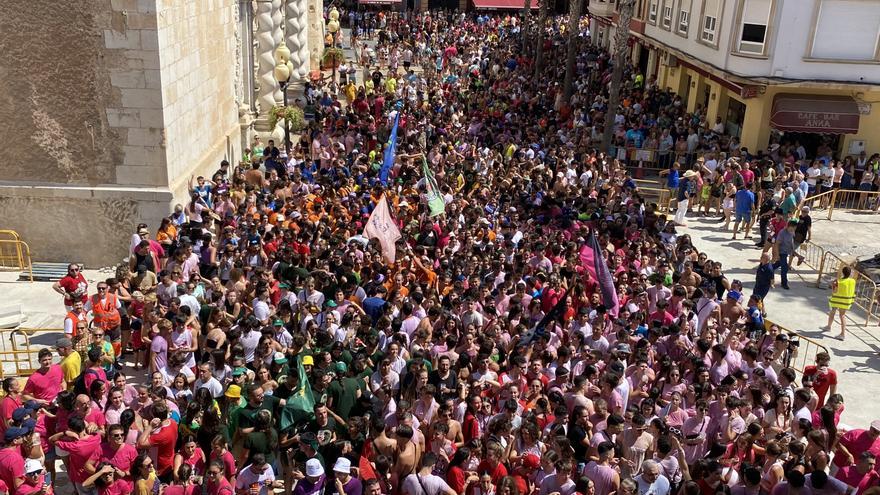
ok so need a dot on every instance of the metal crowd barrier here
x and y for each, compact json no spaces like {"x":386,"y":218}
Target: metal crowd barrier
{"x":813,"y":254}
{"x":853,"y":200}
{"x":655,"y":194}
{"x":820,"y":201}
{"x":803,"y":355}
{"x":15,"y":253}
{"x":866,"y":296}
{"x":18,"y":357}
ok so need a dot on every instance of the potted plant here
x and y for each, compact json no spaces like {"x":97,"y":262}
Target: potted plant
{"x":332,"y":58}
{"x":296,"y":120}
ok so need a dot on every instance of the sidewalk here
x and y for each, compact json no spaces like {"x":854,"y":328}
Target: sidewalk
{"x":804,"y":308}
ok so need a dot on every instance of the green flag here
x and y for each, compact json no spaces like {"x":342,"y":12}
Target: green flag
{"x":301,"y":404}
{"x":436,"y":204}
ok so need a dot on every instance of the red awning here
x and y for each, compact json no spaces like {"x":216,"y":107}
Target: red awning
{"x":820,"y":114}
{"x":503,"y":4}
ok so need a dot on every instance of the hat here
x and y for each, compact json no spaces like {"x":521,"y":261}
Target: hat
{"x":14,"y":432}
{"x":277,"y":322}
{"x":279,"y":358}
{"x":875,"y":425}
{"x":342,"y":465}
{"x":689,"y":174}
{"x":239,"y":371}
{"x":308,"y":361}
{"x":283,"y":285}
{"x":331,"y":303}
{"x":624,"y":348}
{"x":19,"y":414}
{"x":63,"y":342}
{"x":29,"y":424}
{"x":617,"y":367}
{"x":233,"y":392}
{"x":531,"y":461}
{"x":314,"y":468}
{"x":341,"y":367}
{"x":32,"y":466}
{"x":733,"y":294}
{"x":32,"y":405}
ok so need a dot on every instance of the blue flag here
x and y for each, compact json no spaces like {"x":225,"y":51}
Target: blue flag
{"x":388,"y":160}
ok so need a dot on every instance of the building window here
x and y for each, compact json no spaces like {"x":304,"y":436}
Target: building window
{"x":752,"y":38}
{"x":652,"y":13}
{"x":683,"y":19}
{"x":667,"y":16}
{"x":708,"y":34}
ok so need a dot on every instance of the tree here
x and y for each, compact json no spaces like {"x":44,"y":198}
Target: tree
{"x":621,"y":39}
{"x":542,"y":33}
{"x":572,"y":48}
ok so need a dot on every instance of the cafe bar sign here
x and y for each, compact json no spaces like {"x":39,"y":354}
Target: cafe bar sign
{"x":819,"y":114}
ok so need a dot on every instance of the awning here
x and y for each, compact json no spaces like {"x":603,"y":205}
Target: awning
{"x":821,"y":114}
{"x":503,"y":4}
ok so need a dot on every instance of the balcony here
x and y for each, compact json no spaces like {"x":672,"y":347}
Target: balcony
{"x":602,"y":8}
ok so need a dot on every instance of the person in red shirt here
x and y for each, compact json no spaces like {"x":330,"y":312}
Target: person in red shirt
{"x":854,"y":442}
{"x":116,"y":452}
{"x":525,"y":472}
{"x":824,"y":378}
{"x":218,"y":479}
{"x":160,"y":435}
{"x":11,"y":461}
{"x":492,"y":463}
{"x":34,"y":479}
{"x":72,"y":286}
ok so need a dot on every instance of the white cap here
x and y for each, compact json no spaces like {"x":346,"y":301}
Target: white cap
{"x":314,"y":468}
{"x":342,"y":465}
{"x":33,"y":466}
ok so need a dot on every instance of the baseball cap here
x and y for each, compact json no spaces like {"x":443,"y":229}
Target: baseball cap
{"x":19,"y":414}
{"x":308,"y":361}
{"x":33,"y":466}
{"x":733,"y":294}
{"x":239,"y":371}
{"x":13,"y":433}
{"x":278,"y":322}
{"x":279,"y":358}
{"x":875,"y":425}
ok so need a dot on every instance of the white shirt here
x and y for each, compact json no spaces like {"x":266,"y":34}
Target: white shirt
{"x":660,"y":486}
{"x":213,"y":385}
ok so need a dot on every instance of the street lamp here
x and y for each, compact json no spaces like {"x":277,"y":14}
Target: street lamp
{"x":333,"y":27}
{"x":283,"y":70}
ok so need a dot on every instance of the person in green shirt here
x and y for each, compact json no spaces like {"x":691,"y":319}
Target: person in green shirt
{"x":343,"y":392}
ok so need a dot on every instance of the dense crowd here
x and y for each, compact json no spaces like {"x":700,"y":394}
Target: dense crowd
{"x":545,"y":330}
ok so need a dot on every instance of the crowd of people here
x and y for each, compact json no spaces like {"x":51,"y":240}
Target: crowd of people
{"x":547,"y":332}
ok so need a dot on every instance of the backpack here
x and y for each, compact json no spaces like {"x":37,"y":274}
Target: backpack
{"x":79,"y":385}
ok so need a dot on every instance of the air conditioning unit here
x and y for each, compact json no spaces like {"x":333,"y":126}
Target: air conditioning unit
{"x":669,"y":60}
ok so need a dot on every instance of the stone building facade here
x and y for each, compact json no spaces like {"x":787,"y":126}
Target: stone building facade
{"x":108,"y":107}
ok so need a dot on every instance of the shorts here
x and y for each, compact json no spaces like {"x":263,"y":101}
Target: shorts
{"x":865,"y":187}
{"x":406,"y":66}
{"x":744,"y":217}
{"x":826,"y":188}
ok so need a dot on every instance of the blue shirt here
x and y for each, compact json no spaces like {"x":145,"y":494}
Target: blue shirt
{"x":373,"y":307}
{"x":672,"y":179}
{"x":745,"y":199}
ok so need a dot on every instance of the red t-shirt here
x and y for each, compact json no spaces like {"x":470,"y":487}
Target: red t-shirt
{"x":118,"y":487}
{"x":496,"y":472}
{"x":27,"y":488}
{"x":822,"y":383}
{"x":80,"y":452}
{"x":228,"y":462}
{"x":11,"y":465}
{"x":455,"y":478}
{"x":73,"y":285}
{"x":162,"y":451}
{"x":7,"y":406}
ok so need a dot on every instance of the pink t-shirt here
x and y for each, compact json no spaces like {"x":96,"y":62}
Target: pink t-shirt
{"x":228,"y":462}
{"x":11,"y":465}
{"x":122,"y":458}
{"x":118,"y":487}
{"x":80,"y":452}
{"x":45,"y":386}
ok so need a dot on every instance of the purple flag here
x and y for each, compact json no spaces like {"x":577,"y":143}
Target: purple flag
{"x":603,"y":276}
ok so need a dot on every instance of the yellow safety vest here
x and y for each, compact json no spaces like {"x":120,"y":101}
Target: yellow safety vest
{"x":844,"y":295}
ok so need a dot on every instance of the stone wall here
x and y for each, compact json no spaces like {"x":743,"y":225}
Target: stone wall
{"x":197,"y":57}
{"x":107,"y":108}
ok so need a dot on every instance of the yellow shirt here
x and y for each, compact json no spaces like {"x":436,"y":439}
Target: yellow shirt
{"x":72,"y":367}
{"x":391,"y":85}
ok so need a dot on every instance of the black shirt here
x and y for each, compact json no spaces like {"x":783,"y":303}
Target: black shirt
{"x":450,"y":382}
{"x":576,"y":435}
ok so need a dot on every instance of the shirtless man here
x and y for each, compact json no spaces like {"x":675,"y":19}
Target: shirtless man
{"x":381,"y":443}
{"x":578,"y":395}
{"x":408,"y":455}
{"x":454,"y":434}
{"x":731,"y":308}
{"x":690,"y":278}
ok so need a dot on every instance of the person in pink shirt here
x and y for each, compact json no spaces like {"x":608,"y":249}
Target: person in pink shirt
{"x":116,"y":452}
{"x":854,"y":442}
{"x":46,"y":382}
{"x":861,"y":475}
{"x":81,"y":447}
{"x":108,"y":480}
{"x":93,"y":417}
{"x":11,"y":461}
{"x":11,"y":401}
{"x":34,"y":479}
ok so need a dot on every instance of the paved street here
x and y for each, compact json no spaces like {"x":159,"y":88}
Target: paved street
{"x":804,"y":308}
